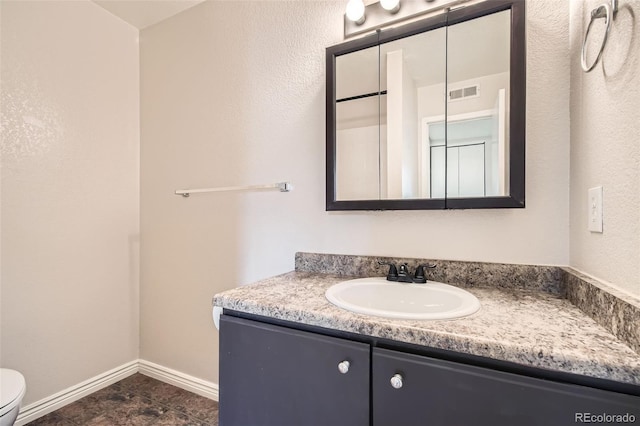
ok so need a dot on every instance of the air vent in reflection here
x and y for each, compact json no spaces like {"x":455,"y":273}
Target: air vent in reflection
{"x":464,"y":93}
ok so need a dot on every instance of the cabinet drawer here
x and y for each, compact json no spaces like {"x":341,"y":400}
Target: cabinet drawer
{"x":437,"y":392}
{"x":272,"y":375}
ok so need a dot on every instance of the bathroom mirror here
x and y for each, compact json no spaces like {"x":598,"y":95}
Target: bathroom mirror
{"x":430,"y":115}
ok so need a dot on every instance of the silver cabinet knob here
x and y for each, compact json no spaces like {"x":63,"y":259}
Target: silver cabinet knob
{"x":343,"y":367}
{"x":396,"y":381}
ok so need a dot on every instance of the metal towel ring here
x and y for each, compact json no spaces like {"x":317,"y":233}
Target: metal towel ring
{"x":606,"y":11}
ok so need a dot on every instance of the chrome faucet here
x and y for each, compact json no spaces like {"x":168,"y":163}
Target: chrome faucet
{"x":403,"y":275}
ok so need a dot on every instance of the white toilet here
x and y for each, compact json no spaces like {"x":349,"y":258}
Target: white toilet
{"x":12,"y":389}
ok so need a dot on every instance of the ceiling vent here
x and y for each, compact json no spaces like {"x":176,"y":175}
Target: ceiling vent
{"x":464,"y":93}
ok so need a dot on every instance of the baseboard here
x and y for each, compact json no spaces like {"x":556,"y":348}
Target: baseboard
{"x":40,"y":408}
{"x":179,"y":379}
{"x":56,"y":401}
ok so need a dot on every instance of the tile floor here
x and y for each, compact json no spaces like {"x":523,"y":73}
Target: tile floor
{"x":137,"y":400}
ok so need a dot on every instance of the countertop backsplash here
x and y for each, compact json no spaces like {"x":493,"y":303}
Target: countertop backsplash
{"x":614,"y":310}
{"x":459,"y":273}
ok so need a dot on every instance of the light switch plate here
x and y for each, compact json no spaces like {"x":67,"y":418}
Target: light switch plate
{"x":595,"y":209}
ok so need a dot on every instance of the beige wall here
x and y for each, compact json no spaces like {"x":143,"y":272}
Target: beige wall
{"x":233,"y":93}
{"x":605,"y":147}
{"x":70,"y":193}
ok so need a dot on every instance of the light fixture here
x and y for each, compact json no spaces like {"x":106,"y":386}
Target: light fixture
{"x":355,"y":11}
{"x":392,"y":6}
{"x":383,"y":13}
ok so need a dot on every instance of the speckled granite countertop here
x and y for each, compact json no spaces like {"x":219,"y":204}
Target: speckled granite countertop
{"x":528,"y":327}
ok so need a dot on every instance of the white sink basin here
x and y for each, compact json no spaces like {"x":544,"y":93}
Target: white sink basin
{"x":379,"y":297}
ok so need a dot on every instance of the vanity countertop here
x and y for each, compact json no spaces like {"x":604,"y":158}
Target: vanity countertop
{"x":528,"y":327}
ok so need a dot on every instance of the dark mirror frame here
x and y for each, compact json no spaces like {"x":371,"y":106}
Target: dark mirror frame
{"x":517,"y":103}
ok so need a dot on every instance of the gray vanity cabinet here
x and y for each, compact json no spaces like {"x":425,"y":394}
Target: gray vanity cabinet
{"x":271,"y":375}
{"x":434,"y":392}
{"x":281,"y":376}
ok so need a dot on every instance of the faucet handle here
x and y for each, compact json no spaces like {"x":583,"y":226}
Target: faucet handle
{"x":392,"y":275}
{"x":419,"y":276}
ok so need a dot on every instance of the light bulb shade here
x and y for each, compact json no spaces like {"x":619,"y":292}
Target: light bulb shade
{"x":391,"y":5}
{"x":355,"y":11}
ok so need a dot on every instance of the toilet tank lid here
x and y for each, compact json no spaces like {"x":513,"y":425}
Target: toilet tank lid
{"x":12,"y":387}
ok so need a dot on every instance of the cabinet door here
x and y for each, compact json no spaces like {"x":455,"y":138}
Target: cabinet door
{"x":437,"y":392}
{"x":271,"y":375}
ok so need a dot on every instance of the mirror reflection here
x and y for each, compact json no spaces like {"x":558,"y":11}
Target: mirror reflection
{"x":476,"y":145}
{"x":360,"y":125}
{"x":413,"y":70}
{"x":379,"y":153}
{"x":426,"y":116}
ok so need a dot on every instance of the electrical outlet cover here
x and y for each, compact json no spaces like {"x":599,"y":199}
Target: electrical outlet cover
{"x":595,"y":209}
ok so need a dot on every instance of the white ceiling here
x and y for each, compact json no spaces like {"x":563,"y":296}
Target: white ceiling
{"x":144,"y":13}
